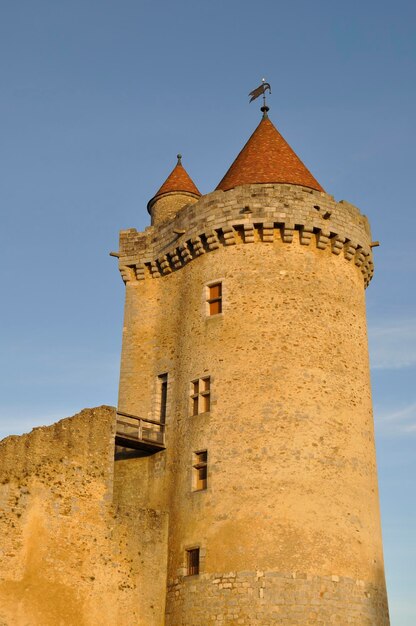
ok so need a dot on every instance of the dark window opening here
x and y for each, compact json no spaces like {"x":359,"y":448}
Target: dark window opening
{"x":163,"y":396}
{"x":192,"y":562}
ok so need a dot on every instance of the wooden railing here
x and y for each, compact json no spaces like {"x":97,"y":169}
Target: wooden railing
{"x":137,"y":432}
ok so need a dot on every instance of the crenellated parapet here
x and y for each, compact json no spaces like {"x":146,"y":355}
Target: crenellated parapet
{"x":261,"y":213}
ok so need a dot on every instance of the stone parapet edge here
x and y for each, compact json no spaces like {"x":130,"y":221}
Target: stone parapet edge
{"x":248,"y":214}
{"x":138,"y":266}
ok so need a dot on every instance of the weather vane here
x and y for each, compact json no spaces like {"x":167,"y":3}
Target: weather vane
{"x":261,"y":91}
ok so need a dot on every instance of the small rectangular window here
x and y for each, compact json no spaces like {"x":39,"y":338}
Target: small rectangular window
{"x":200,"y":470}
{"x":192,"y":562}
{"x":201,"y":395}
{"x":214,"y":299}
{"x":163,"y":396}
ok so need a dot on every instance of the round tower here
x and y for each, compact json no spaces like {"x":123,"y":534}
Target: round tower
{"x":245,"y":339}
{"x":177,"y":191}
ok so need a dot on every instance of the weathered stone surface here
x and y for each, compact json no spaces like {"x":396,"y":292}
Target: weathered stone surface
{"x":271,"y":598}
{"x":261,"y":213}
{"x":292,"y":484}
{"x":67,"y":554}
{"x":288,"y":528}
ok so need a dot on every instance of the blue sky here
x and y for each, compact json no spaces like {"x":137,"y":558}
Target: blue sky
{"x":97,"y":98}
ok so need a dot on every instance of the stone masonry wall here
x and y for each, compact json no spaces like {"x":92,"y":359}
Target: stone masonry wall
{"x":68,"y":556}
{"x":292,"y":479}
{"x":262,"y":598}
{"x":166,"y":206}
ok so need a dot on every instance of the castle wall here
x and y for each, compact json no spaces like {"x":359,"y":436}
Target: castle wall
{"x":68,"y":555}
{"x":289,"y":526}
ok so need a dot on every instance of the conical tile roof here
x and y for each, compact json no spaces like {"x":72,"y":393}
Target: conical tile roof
{"x":178,"y":180}
{"x":267,"y":158}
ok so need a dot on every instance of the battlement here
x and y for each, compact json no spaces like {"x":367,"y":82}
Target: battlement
{"x":261,"y":213}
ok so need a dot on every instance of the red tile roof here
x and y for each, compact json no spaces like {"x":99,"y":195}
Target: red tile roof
{"x":267,"y":158}
{"x":178,"y":180}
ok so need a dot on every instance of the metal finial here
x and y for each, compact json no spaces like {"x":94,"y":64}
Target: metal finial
{"x":179,"y":157}
{"x":261,"y":91}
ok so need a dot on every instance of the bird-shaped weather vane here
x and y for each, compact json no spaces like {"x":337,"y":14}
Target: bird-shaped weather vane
{"x":261,"y":91}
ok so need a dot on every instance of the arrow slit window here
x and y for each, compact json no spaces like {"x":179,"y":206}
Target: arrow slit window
{"x":162,"y":396}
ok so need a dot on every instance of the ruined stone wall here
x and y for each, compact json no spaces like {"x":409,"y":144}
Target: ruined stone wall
{"x":292,"y":484}
{"x":67,"y":554}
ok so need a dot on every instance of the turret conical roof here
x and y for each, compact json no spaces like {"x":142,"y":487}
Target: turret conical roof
{"x":177,"y":181}
{"x":267,"y":158}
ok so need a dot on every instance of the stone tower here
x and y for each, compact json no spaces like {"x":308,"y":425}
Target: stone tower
{"x":245,"y":395}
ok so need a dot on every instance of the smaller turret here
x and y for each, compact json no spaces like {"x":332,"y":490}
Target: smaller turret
{"x":177,"y":190}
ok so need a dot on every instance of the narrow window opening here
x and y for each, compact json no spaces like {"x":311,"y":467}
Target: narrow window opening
{"x":200,"y":470}
{"x":192,"y":562}
{"x":201,"y":395}
{"x":205,"y":395}
{"x":195,"y":397}
{"x":215,"y":299}
{"x":163,"y":396}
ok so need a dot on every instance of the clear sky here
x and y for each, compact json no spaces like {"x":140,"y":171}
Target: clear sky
{"x":98,"y":96}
